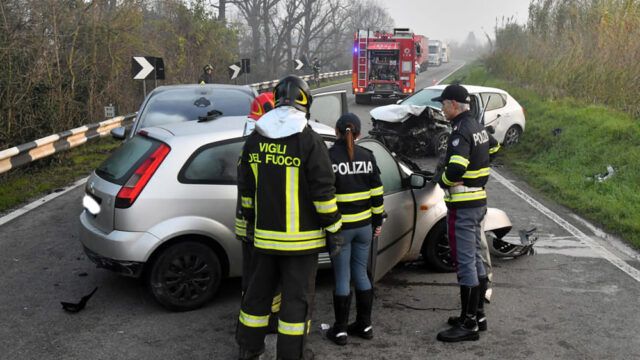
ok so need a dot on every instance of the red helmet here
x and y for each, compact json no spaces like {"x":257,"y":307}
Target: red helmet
{"x":261,"y":105}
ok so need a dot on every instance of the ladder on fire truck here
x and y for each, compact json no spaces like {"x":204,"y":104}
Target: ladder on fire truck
{"x":363,"y":63}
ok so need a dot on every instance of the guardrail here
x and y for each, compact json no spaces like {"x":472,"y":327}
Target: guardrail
{"x":38,"y":149}
{"x":26,"y":153}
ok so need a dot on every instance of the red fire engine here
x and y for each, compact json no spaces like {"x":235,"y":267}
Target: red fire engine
{"x":384,"y":64}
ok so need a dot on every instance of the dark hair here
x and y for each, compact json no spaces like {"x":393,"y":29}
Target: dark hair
{"x":349,"y":138}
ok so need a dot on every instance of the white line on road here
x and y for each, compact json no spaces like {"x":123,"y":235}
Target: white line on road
{"x":599,"y":249}
{"x":25,"y":209}
{"x":449,"y":74}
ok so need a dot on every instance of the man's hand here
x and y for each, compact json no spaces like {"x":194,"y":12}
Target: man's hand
{"x":335,"y":241}
{"x":377,"y":230}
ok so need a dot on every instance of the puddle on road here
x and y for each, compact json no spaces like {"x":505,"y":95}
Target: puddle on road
{"x":561,"y":245}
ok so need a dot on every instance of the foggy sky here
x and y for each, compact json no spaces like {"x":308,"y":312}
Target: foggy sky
{"x":452,"y":20}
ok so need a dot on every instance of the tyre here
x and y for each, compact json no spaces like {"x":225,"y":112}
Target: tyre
{"x":435,"y":249}
{"x":439,"y":143}
{"x":185,"y":276}
{"x":512,"y":136}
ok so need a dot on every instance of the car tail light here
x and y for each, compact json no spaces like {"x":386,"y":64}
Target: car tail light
{"x":141,"y":176}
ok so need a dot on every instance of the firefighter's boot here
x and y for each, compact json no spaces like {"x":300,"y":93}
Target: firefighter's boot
{"x":246,"y":354}
{"x":482,"y":319}
{"x":338,"y":332}
{"x":467,"y":329}
{"x":362,"y":326}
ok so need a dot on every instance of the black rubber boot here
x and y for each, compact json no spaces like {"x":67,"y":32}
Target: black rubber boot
{"x":481,"y":317}
{"x":338,"y":332}
{"x":467,"y":330}
{"x":307,"y":354}
{"x":362,"y":326}
{"x":246,"y":354}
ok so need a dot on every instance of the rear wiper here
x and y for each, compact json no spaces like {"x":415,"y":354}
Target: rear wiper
{"x":211,"y":115}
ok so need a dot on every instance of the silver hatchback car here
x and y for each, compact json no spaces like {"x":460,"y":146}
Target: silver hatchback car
{"x":162,"y":207}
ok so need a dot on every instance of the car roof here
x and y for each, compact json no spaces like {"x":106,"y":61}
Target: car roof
{"x":473,"y":89}
{"x":244,"y":88}
{"x":218,"y":129}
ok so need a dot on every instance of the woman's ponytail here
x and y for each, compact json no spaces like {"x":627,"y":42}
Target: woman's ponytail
{"x":349,"y":139}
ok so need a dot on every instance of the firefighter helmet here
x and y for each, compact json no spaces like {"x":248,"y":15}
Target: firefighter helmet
{"x":261,"y":105}
{"x":293,"y":91}
{"x":207,"y":67}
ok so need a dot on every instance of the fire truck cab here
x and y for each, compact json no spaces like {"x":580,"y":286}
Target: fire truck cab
{"x":383,"y":65}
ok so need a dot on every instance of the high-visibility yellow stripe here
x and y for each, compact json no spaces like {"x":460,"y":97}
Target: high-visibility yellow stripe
{"x":241,"y":227}
{"x":247,"y":202}
{"x":335,"y":226}
{"x":290,"y":245}
{"x":457,"y":159}
{"x":348,"y":218}
{"x":377,"y":209}
{"x":326,"y":207}
{"x":470,"y":196}
{"x":275,"y":304}
{"x":253,"y":321}
{"x":293,"y":236}
{"x":364,"y":195}
{"x":291,"y":191}
{"x":474,"y":174}
{"x":254,"y":170}
{"x":377,"y":191}
{"x":494,"y":149}
{"x":446,"y":181}
{"x":293,"y":329}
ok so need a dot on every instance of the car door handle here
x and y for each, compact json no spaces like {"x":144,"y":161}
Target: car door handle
{"x":497,"y":116}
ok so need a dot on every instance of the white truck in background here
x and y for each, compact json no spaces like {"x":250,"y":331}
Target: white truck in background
{"x":435,"y":52}
{"x":444,"y":56}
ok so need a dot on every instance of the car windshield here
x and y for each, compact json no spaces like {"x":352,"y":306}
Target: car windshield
{"x":185,"y":104}
{"x":423,"y":97}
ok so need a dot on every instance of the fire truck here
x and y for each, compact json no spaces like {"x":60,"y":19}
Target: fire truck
{"x":384,"y":64}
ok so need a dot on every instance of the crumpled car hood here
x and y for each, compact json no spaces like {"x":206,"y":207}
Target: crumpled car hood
{"x":396,"y":112}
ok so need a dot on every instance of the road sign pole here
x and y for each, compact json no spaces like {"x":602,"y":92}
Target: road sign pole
{"x":144,"y":88}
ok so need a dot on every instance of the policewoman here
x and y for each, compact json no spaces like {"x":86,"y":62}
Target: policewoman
{"x":359,"y":193}
{"x":463,"y":180}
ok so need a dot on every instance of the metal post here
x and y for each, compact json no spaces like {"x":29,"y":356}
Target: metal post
{"x":144,"y":88}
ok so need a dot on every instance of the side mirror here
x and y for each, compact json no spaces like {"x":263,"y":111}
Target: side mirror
{"x":119,"y":133}
{"x":417,"y":181}
{"x":491,"y":129}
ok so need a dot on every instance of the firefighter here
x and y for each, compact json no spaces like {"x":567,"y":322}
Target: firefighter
{"x":207,"y":75}
{"x":463,"y":180}
{"x":359,"y":193}
{"x":286,"y":185}
{"x":261,"y":105}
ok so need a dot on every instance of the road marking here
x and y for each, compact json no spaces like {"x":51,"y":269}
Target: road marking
{"x":449,"y":74}
{"x":599,"y":249}
{"x":25,"y":209}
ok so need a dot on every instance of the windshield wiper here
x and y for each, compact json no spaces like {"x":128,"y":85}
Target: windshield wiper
{"x":211,"y":115}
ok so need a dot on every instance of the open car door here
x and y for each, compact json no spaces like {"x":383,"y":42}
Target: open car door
{"x":327,"y":107}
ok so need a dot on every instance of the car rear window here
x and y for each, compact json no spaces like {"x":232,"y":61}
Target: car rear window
{"x":122,"y":163}
{"x":215,"y":163}
{"x":178,"y":105}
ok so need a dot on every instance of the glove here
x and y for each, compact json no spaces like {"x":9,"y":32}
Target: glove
{"x":335,"y":241}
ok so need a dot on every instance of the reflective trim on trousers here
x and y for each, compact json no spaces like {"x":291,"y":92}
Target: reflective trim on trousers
{"x":253,"y":321}
{"x":293,"y":329}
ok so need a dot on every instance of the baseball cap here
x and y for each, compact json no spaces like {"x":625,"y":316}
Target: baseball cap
{"x":454,"y":92}
{"x":348,"y":118}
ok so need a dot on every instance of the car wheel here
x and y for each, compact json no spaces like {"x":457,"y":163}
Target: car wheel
{"x":440,"y":142}
{"x":512,"y":136}
{"x":185,"y":276}
{"x":435,"y":250}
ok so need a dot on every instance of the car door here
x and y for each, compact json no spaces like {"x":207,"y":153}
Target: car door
{"x":495,"y":113}
{"x":399,"y":205}
{"x":327,"y":107}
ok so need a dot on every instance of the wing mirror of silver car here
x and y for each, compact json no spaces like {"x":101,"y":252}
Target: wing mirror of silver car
{"x":119,"y":133}
{"x":417,"y":181}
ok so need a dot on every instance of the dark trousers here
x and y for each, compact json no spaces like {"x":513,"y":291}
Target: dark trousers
{"x":296,"y":274}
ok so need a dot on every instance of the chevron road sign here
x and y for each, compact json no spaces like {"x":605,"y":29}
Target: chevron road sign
{"x":234,"y":70}
{"x":147,"y":67}
{"x":298,"y":63}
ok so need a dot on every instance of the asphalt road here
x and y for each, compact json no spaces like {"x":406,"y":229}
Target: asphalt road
{"x":576,"y":298}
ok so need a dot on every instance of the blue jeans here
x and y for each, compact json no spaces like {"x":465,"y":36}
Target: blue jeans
{"x":352,"y":260}
{"x":464,"y":231}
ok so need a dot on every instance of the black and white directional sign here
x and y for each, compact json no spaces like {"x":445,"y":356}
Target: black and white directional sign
{"x":298,"y":63}
{"x":147,"y":67}
{"x":246,"y":66}
{"x":234,"y":70}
